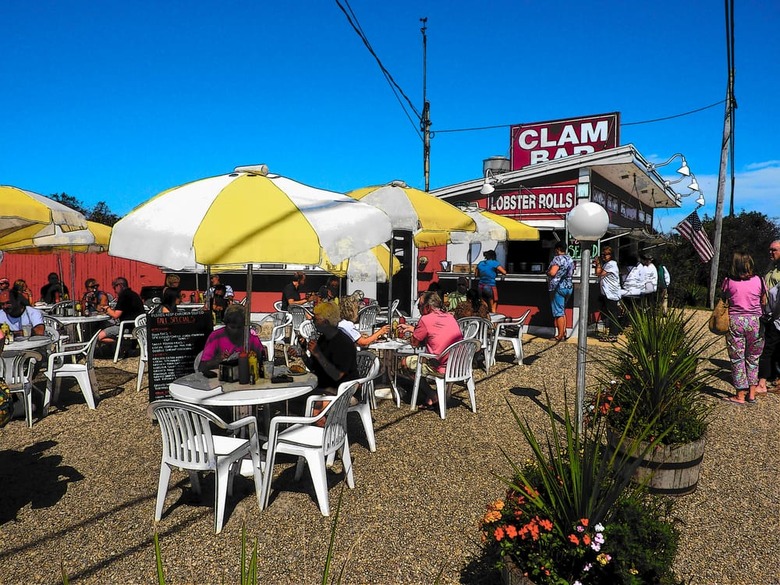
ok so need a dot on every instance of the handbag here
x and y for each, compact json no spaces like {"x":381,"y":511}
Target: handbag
{"x":719,"y":320}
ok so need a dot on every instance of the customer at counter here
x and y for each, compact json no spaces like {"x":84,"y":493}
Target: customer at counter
{"x":487,"y":272}
{"x":560,"y":286}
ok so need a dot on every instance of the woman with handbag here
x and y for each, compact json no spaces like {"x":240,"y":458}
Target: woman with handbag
{"x":560,"y":287}
{"x":747,"y":296}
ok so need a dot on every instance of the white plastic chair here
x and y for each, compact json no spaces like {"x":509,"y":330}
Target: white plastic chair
{"x":126,"y":332}
{"x":298,"y":315}
{"x":484,"y":334}
{"x":139,"y":333}
{"x":312,"y":443}
{"x":459,"y":368}
{"x":281,"y":320}
{"x":18,"y":373}
{"x":307,"y":330}
{"x":368,"y":369}
{"x":84,"y":373}
{"x":56,"y":330}
{"x":278,"y":306}
{"x":367,"y":319}
{"x":502,"y":333}
{"x":189,"y":444}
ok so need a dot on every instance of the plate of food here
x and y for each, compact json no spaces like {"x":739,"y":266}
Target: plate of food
{"x":297,"y":370}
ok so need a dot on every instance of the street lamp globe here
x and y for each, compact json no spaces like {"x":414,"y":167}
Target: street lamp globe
{"x":588,"y":222}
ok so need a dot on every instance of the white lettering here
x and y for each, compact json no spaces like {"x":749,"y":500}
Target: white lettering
{"x":561,"y":153}
{"x":524,"y":141}
{"x":599,"y":133}
{"x":569,"y":135}
{"x":546,"y":142}
{"x":584,"y":149}
{"x":538,"y":156}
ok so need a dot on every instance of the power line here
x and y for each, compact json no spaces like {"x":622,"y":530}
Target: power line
{"x":396,"y":89}
{"x":688,"y":113}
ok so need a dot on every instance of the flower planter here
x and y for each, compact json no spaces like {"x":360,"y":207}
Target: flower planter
{"x":673,"y":470}
{"x":512,"y":574}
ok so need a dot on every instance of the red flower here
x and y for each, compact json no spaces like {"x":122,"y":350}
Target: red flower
{"x":499,"y":534}
{"x":574,"y":540}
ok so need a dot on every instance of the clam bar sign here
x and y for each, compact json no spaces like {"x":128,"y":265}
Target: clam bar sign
{"x":545,"y":141}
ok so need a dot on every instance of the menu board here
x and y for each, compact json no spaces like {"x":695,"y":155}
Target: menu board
{"x":173,"y":342}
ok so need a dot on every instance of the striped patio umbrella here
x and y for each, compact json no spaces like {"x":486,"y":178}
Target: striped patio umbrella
{"x":24,"y":215}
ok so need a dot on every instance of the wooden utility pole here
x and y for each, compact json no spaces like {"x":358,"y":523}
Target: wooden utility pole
{"x":425,"y":122}
{"x":724,"y":157}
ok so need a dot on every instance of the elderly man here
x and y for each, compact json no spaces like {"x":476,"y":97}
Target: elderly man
{"x":437,"y":330}
{"x":332,"y":356}
{"x":772,"y":277}
{"x":128,"y":306}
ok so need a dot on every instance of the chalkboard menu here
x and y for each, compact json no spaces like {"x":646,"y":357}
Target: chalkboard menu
{"x":173,"y":341}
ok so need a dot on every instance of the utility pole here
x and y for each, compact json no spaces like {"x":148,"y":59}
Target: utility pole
{"x":425,"y":122}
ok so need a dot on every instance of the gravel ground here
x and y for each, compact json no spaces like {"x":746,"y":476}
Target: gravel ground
{"x":78,"y":489}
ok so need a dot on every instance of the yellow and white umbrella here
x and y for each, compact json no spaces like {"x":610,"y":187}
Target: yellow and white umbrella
{"x":94,"y":238}
{"x":24,"y":215}
{"x":245,"y":217}
{"x":494,"y":227}
{"x":371,"y":266}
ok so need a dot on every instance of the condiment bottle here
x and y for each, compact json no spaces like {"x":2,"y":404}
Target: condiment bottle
{"x":243,"y":368}
{"x":254,"y":367}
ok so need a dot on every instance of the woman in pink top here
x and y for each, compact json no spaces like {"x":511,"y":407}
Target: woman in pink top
{"x":747,"y":296}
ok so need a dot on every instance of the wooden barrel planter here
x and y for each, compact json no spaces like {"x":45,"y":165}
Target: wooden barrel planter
{"x":673,"y":470}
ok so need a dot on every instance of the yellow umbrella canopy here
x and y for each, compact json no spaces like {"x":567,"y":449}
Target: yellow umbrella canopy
{"x":93,"y":239}
{"x":371,"y":266}
{"x":430,"y":219}
{"x":495,"y":227}
{"x":24,"y":215}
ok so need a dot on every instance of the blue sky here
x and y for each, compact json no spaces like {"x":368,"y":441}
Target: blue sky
{"x":118,"y":101}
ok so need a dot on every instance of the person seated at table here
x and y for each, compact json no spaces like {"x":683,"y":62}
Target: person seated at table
{"x":228,"y":290}
{"x":329,"y":292}
{"x":5,"y":289}
{"x":457,"y":296}
{"x":332,"y":357}
{"x":436,"y":330}
{"x":228,"y":341}
{"x":218,"y":303}
{"x":26,"y":294}
{"x":292,"y":293}
{"x":54,"y":291}
{"x":128,"y":306}
{"x":473,"y":306}
{"x":19,"y":316}
{"x":94,"y":300}
{"x":170,"y":300}
{"x":348,"y":307}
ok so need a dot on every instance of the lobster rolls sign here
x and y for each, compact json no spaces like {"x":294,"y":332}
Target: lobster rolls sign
{"x":545,"y":141}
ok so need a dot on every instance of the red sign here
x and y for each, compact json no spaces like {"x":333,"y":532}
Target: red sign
{"x":543,"y":141}
{"x":554,"y":201}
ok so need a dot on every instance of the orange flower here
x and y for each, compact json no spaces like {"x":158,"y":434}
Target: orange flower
{"x":616,"y":409}
{"x":586,"y":540}
{"x":584,"y":522}
{"x":511,"y":531}
{"x":499,"y":534}
{"x":546,"y":524}
{"x":574,"y":540}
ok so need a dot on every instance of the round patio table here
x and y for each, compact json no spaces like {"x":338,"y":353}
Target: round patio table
{"x":78,"y":322}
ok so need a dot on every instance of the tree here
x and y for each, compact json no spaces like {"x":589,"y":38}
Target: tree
{"x":749,"y":231}
{"x":100,"y":213}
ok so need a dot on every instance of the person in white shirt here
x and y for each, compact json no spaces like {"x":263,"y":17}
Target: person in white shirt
{"x":17,"y":315}
{"x":651,"y":279}
{"x":348,"y":308}
{"x":608,"y":274}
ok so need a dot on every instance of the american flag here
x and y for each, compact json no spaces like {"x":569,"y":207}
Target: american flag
{"x":691,"y":229}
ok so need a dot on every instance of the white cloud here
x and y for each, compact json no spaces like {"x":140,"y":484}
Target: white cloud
{"x":755,"y":189}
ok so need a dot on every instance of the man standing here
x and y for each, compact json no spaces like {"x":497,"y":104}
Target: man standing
{"x":437,"y":330}
{"x":214,"y":282}
{"x":772,"y":277}
{"x":128,"y":306}
{"x":291,"y":293}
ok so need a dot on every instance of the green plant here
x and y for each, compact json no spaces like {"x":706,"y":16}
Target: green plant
{"x":561,"y":507}
{"x":655,"y":373}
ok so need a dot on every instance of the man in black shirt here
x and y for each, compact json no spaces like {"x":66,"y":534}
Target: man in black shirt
{"x":291,"y":293}
{"x":333,"y":356}
{"x":128,"y":306}
{"x":54,"y":291}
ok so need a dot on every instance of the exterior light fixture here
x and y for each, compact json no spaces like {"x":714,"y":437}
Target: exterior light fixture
{"x":491,"y":181}
{"x":683,"y":170}
{"x":587,"y":222}
{"x":700,"y":201}
{"x":694,"y":186}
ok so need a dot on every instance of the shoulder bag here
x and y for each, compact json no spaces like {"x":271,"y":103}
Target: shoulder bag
{"x":719,"y":320}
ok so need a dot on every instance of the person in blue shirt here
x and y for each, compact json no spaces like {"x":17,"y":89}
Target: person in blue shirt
{"x":560,"y":286}
{"x":487,"y":271}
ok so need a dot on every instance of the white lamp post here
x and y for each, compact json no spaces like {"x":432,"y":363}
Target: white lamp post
{"x":587,"y":222}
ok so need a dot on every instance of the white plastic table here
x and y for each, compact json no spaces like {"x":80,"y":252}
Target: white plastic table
{"x":78,"y":321}
{"x":198,"y":389}
{"x":390,"y":350}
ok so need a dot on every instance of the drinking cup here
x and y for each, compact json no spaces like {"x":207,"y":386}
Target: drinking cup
{"x":268,"y":370}
{"x":27,"y":330}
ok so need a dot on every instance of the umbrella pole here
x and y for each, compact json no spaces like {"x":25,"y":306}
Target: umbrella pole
{"x":73,"y":276}
{"x":248,"y":306}
{"x":390,"y":281}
